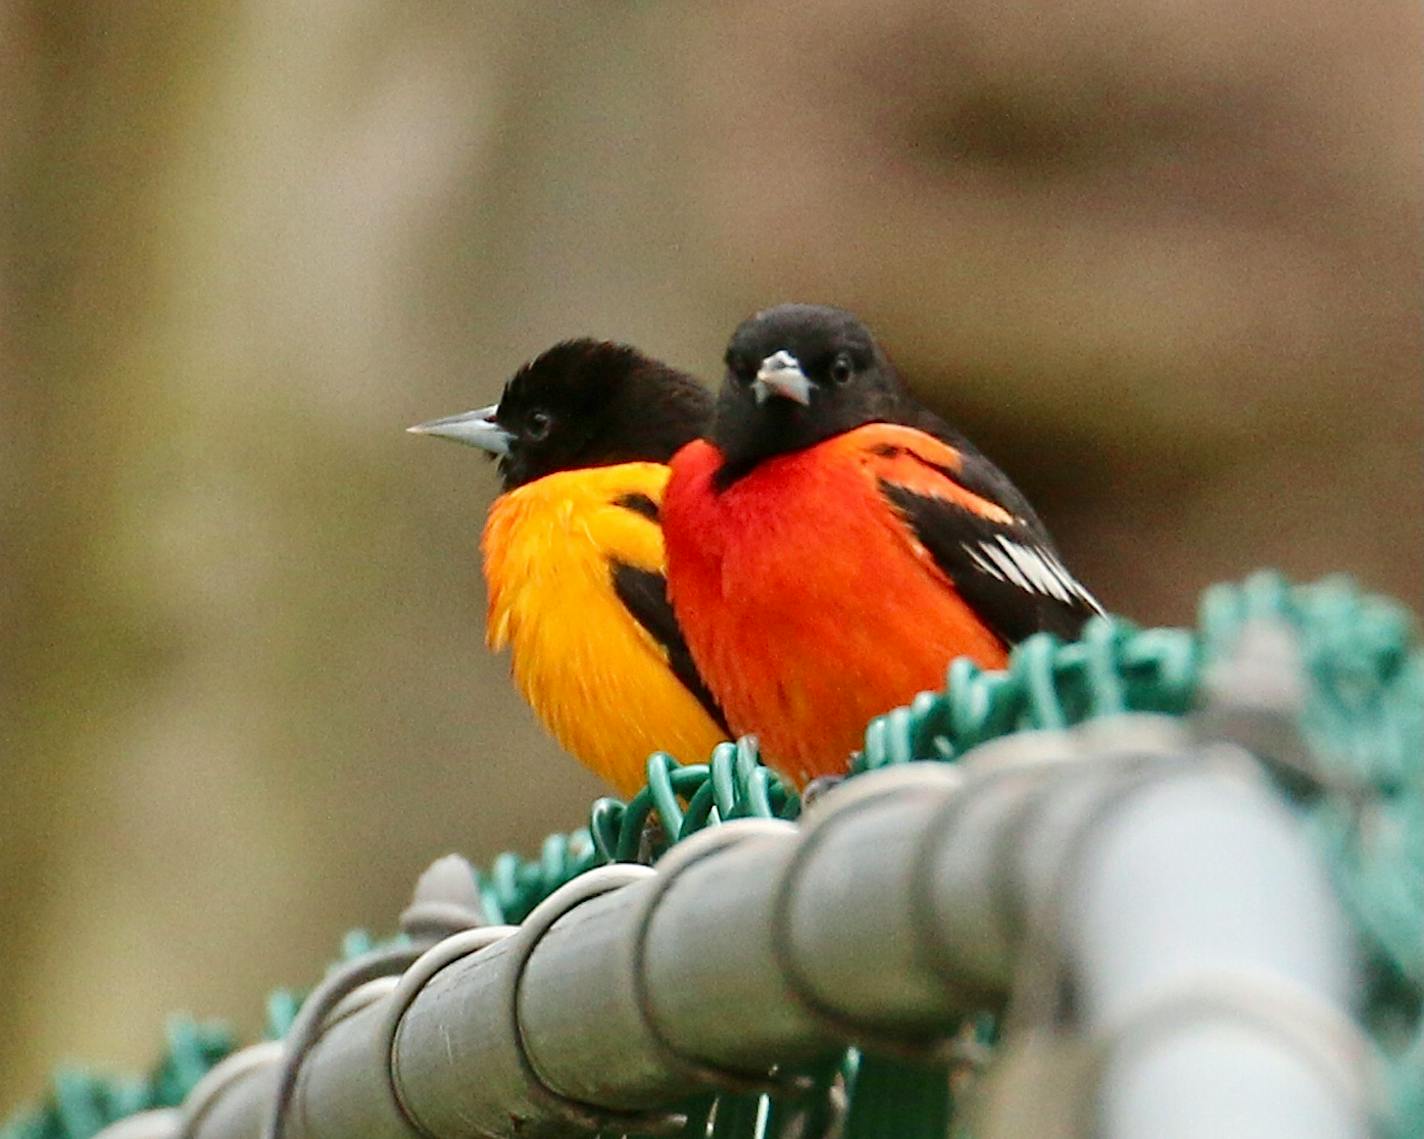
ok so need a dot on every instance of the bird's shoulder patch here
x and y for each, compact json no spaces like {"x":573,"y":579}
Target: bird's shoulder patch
{"x":919,"y":463}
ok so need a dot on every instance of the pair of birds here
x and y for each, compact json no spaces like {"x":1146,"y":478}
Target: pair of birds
{"x":805,"y":552}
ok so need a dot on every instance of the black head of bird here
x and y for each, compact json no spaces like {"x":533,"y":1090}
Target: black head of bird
{"x":582,"y":403}
{"x":798,"y":374}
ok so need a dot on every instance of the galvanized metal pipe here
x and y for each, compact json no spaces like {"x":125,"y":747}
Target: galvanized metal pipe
{"x":1168,"y":889}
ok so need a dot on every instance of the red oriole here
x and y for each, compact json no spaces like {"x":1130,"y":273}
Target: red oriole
{"x":832,"y":544}
{"x":573,"y":553}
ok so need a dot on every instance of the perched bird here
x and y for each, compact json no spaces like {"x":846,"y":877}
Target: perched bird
{"x":573,"y":552}
{"x":832,"y":544}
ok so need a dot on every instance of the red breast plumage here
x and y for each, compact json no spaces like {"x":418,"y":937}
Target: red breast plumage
{"x":834,"y":546}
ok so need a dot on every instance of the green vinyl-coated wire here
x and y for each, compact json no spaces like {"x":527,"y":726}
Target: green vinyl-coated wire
{"x":1362,"y":803}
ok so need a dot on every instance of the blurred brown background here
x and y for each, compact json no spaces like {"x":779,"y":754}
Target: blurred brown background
{"x":1162,"y":260}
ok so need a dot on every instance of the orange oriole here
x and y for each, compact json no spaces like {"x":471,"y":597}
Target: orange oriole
{"x":833,"y":544}
{"x":573,"y":553}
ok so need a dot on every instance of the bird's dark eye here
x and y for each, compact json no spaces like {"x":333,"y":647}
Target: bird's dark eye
{"x":537,"y":424}
{"x":842,"y":369}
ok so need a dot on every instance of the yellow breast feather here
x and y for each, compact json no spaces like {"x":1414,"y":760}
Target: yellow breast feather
{"x":596,"y":678}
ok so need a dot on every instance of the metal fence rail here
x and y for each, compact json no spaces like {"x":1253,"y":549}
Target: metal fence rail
{"x":1156,"y":880}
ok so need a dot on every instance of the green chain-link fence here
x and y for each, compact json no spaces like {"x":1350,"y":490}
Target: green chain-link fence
{"x":1358,"y":786}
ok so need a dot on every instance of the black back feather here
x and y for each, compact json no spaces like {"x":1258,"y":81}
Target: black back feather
{"x":644,"y":594}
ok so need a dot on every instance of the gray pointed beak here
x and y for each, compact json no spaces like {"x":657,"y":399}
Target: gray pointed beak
{"x":475,"y":428}
{"x":781,"y":374}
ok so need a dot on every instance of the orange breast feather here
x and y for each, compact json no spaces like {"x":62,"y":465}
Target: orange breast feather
{"x":807,"y":601}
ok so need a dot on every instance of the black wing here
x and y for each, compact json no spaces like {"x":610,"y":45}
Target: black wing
{"x":644,"y":594}
{"x":1008,"y":572}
